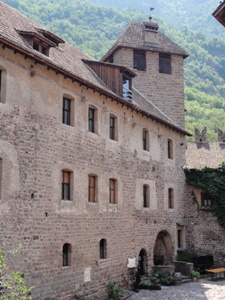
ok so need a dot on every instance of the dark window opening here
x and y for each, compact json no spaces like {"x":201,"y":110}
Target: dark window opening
{"x":139,"y":60}
{"x":0,"y":83}
{"x":170,"y":148}
{"x":145,"y":196}
{"x":36,"y":45}
{"x":91,"y":188}
{"x":66,"y":255}
{"x":66,"y":111}
{"x":112,"y":128}
{"x":127,"y":88}
{"x":91,"y":119}
{"x":170,"y":198}
{"x":102,"y":249}
{"x":145,"y":139}
{"x":205,"y":199}
{"x":110,"y":60}
{"x":165,"y":63}
{"x":112,"y":191}
{"x":66,"y":185}
{"x":179,"y":238}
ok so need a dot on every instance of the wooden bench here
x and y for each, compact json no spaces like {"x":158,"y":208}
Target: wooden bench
{"x":217,"y":271}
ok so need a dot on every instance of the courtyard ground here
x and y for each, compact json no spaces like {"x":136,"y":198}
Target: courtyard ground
{"x":204,"y":289}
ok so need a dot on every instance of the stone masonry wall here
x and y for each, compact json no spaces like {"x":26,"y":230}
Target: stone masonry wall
{"x":166,"y":91}
{"x":35,"y":147}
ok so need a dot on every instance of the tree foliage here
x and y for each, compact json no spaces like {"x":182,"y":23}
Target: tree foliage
{"x":12,"y":284}
{"x":212,"y":182}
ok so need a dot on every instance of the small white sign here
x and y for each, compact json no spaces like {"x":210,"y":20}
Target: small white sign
{"x":87,"y":274}
{"x":131,"y":262}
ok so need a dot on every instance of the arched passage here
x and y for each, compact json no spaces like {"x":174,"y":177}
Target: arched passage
{"x":142,"y":262}
{"x":163,"y":249}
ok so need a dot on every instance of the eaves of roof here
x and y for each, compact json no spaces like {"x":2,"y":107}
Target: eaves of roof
{"x":67,"y":74}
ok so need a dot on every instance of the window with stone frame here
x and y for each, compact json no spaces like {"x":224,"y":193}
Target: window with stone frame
{"x":169,"y":148}
{"x":145,"y":139}
{"x":67,"y":111}
{"x":66,"y":253}
{"x":92,"y":119}
{"x":180,"y":237}
{"x":139,"y":60}
{"x":206,"y":200}
{"x":146,"y":196}
{"x":165,"y":63}
{"x":170,"y":198}
{"x":66,"y":185}
{"x":103,"y":249}
{"x":113,"y":127}
{"x":92,"y":188}
{"x":112,"y":191}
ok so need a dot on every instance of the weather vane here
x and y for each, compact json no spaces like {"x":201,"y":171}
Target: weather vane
{"x":151,"y":9}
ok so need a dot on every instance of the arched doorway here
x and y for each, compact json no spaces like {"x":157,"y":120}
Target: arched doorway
{"x":163,"y":250}
{"x":142,"y":262}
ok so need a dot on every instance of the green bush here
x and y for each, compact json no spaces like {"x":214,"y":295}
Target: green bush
{"x":114,"y":291}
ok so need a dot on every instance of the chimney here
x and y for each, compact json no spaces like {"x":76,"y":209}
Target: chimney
{"x":221,"y":136}
{"x":201,"y":137}
{"x":150,"y":32}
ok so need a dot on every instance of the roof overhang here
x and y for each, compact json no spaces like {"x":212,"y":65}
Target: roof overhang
{"x":81,"y":81}
{"x":219,"y":13}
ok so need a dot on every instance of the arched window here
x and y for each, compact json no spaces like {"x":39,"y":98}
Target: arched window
{"x":66,"y":255}
{"x":103,"y":249}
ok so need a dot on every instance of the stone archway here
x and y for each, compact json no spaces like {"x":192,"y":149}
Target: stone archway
{"x":143,"y":262}
{"x":163,"y":250}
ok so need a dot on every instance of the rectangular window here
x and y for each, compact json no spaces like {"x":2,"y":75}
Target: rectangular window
{"x":139,"y":60}
{"x":91,"y":119}
{"x":165,"y":63}
{"x":112,"y":128}
{"x":112,"y":191}
{"x":170,"y":148}
{"x":145,"y":139}
{"x":66,"y":111}
{"x":205,"y":199}
{"x":145,"y":196}
{"x":0,"y":178}
{"x":92,"y":188}
{"x":170,"y":198}
{"x":66,"y":178}
{"x":127,"y":88}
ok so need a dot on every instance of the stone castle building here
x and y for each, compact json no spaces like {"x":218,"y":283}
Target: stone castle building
{"x":91,"y":157}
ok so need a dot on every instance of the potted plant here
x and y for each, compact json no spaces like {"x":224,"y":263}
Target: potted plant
{"x":195,"y":275}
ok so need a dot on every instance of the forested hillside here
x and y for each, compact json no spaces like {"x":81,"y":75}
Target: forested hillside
{"x":94,"y":28}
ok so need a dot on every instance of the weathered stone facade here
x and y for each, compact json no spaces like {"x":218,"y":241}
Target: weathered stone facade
{"x":35,"y":147}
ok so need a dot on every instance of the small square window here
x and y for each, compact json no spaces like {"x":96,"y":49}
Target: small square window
{"x":205,"y":199}
{"x":165,"y":63}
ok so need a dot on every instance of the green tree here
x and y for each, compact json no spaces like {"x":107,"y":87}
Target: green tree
{"x":12,"y":284}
